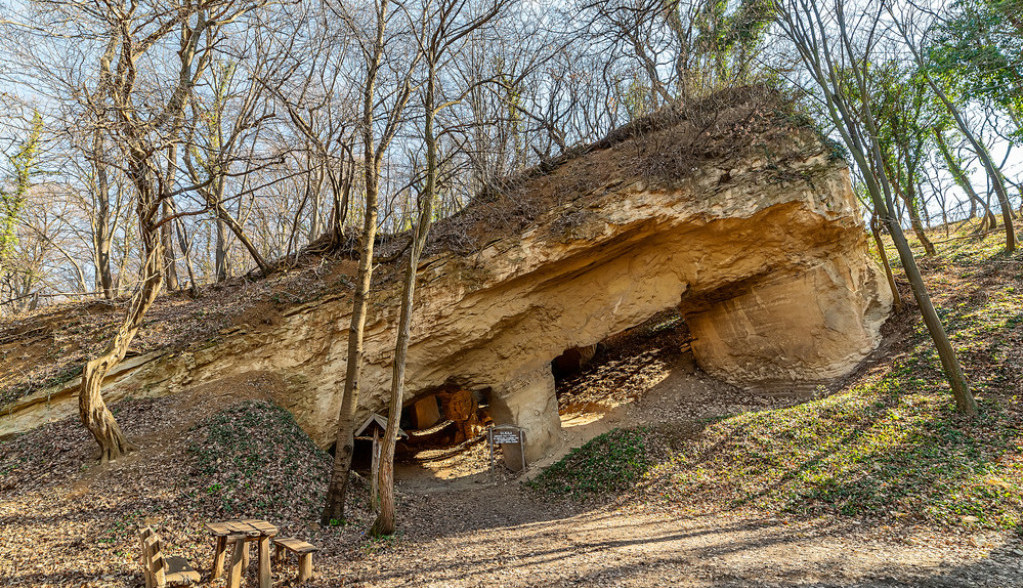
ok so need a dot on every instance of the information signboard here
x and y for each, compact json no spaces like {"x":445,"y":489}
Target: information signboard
{"x":512,"y":441}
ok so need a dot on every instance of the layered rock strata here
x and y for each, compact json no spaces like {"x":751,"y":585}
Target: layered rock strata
{"x":770,"y":270}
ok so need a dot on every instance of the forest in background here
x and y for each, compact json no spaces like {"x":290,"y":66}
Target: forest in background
{"x":251,"y":116}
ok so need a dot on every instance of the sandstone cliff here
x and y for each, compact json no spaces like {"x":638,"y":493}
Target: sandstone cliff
{"x":741,"y":219}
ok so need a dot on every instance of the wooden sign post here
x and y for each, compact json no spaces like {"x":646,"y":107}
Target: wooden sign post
{"x":512,"y":440}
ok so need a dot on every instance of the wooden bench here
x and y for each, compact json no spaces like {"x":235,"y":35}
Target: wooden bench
{"x":160,"y":570}
{"x":304,"y":551}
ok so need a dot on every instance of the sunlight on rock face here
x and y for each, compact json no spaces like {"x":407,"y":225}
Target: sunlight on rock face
{"x":770,"y":270}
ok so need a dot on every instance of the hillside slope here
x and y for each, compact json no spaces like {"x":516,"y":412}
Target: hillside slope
{"x":886,"y":445}
{"x":734,"y":213}
{"x":870,"y":484}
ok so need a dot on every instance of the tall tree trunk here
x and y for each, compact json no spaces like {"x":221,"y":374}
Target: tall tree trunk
{"x":214,"y":201}
{"x":965,"y":402}
{"x":864,"y":148}
{"x":345,"y":440}
{"x":314,"y":193}
{"x":373,"y":154}
{"x":882,"y":199}
{"x":384,"y":523}
{"x":876,"y":231}
{"x":167,"y":245}
{"x":340,"y":188}
{"x":959,"y":175}
{"x":333,"y":509}
{"x":101,"y":237}
{"x":220,"y":251}
{"x":186,"y":251}
{"x":913,"y":211}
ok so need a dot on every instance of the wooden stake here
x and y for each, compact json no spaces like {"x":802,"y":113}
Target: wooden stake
{"x":374,"y":496}
{"x":234,"y":580}
{"x":305,"y":567}
{"x":218,"y":557}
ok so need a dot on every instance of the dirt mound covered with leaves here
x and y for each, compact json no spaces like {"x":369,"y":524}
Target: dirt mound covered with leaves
{"x":197,"y":460}
{"x":252,"y":459}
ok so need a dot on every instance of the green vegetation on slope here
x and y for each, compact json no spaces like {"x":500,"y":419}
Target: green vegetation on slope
{"x":252,"y":459}
{"x":891,"y":445}
{"x":611,"y":462}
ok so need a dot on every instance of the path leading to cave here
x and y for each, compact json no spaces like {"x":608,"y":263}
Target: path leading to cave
{"x":466,"y":526}
{"x":498,"y":535}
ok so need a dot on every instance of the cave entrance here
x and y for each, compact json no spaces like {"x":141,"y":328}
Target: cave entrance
{"x":442,"y":424}
{"x":592,"y":381}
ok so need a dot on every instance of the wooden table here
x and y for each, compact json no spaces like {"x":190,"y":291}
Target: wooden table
{"x":242,"y":531}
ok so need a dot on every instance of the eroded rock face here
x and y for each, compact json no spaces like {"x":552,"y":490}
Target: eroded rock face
{"x":770,"y":271}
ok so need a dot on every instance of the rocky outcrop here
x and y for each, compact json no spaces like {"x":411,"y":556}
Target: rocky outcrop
{"x":764,"y":256}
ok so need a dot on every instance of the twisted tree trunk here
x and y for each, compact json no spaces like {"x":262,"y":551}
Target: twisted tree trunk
{"x":93,"y":410}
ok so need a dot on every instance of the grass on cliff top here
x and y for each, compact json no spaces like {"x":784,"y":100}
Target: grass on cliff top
{"x":890,"y":446}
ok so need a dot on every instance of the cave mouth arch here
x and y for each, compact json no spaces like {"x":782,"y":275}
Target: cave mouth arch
{"x":592,"y":381}
{"x":442,"y":422}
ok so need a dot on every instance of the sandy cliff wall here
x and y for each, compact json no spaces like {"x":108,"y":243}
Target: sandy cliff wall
{"x":770,"y":270}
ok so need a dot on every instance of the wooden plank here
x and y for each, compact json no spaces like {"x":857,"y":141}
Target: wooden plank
{"x":238,"y":527}
{"x":218,"y":529}
{"x":296,"y":545}
{"x":264,"y":528}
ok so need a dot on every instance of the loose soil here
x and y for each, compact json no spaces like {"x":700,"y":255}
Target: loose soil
{"x":462,"y":523}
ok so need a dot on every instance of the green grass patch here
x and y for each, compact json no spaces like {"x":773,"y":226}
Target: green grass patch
{"x":892,"y":446}
{"x":609,"y":463}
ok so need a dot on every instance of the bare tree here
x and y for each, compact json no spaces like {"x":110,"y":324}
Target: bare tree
{"x":442,"y":26}
{"x":831,"y":42}
{"x":378,"y":50}
{"x":143,"y":124}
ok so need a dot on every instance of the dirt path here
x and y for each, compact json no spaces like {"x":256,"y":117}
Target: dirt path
{"x":513,"y":540}
{"x":464,"y":526}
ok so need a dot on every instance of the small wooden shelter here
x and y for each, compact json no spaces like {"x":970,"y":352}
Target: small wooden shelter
{"x":372,"y":429}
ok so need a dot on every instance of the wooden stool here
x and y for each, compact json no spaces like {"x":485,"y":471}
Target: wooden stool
{"x":303,"y":550}
{"x":239,"y":533}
